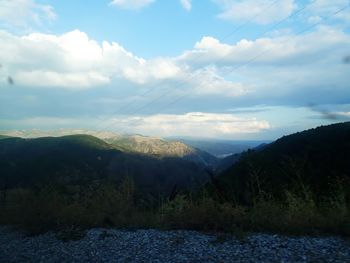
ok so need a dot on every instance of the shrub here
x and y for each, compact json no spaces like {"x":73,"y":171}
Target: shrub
{"x":73,"y":208}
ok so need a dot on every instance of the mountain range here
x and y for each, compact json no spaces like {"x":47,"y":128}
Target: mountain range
{"x":312,"y":160}
{"x":150,"y":146}
{"x":76,"y":159}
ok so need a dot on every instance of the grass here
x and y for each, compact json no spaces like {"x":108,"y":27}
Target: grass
{"x":70,"y":210}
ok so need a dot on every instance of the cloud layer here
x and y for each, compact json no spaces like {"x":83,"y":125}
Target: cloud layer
{"x":131,"y":4}
{"x":23,"y":12}
{"x":139,"y":4}
{"x":208,"y":125}
{"x":74,"y":79}
{"x":75,"y":61}
{"x":256,"y":11}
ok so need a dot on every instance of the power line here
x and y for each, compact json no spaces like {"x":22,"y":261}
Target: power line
{"x":237,"y":29}
{"x":182,"y":83}
{"x":244,"y":64}
{"x":266,"y":51}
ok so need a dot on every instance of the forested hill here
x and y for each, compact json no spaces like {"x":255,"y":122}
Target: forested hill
{"x":313,"y":160}
{"x":139,"y":144}
{"x":79,"y":159}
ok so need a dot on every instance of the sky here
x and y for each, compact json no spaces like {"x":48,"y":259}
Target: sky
{"x":224,"y":69}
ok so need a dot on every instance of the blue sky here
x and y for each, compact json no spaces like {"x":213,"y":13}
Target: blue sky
{"x":229,"y":69}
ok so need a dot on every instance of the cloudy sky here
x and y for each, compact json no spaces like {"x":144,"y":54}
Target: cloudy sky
{"x":228,"y":69}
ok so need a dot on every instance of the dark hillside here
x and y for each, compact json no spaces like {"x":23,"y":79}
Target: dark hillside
{"x":80,"y":159}
{"x":4,"y":137}
{"x":313,"y":159}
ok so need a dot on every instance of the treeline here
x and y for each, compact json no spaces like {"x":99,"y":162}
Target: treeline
{"x":107,"y":204}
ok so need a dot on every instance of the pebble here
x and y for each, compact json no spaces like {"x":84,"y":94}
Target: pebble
{"x":111,"y":245}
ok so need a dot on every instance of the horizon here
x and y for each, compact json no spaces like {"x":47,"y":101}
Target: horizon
{"x":81,"y":131}
{"x":214,"y":69}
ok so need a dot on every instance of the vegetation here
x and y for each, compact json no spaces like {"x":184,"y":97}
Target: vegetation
{"x":4,"y":137}
{"x":106,"y":204}
{"x":298,"y":185}
{"x":312,"y":159}
{"x":81,"y":159}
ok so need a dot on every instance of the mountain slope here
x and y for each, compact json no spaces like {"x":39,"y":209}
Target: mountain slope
{"x":314,"y":158}
{"x":161,"y":148}
{"x":4,"y":137}
{"x":82,"y":158}
{"x":151,"y":146}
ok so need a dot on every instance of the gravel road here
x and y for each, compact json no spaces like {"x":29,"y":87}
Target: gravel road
{"x":107,"y":245}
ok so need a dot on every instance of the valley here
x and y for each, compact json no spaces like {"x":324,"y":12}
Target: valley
{"x":174,"y":131}
{"x":133,"y":180}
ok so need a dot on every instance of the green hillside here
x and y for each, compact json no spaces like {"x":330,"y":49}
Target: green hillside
{"x":4,"y":137}
{"x":314,"y":159}
{"x":146,"y":145}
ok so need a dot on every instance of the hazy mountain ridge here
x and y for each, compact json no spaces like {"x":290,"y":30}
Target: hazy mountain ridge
{"x":219,"y":148}
{"x":35,"y":133}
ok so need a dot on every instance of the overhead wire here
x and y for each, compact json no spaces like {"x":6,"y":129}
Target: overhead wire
{"x":238,"y":66}
{"x":237,"y":29}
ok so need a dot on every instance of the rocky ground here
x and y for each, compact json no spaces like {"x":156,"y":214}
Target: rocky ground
{"x":102,"y":245}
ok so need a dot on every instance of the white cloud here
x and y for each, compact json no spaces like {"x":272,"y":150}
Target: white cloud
{"x":205,"y":124}
{"x":256,"y":11}
{"x":345,"y":114}
{"x":61,"y":80}
{"x":186,"y":4}
{"x":328,"y":8}
{"x":132,"y":4}
{"x":156,"y":69}
{"x":163,"y":125}
{"x":22,"y":12}
{"x":208,"y":81}
{"x":75,"y":61}
{"x":282,"y":50}
{"x":273,"y":69}
{"x":72,"y":60}
{"x":314,"y":19}
{"x":139,"y":4}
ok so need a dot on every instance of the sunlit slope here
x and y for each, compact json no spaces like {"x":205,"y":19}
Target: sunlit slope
{"x":163,"y":148}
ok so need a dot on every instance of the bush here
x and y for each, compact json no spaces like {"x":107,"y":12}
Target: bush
{"x":202,"y":214}
{"x":107,"y":204}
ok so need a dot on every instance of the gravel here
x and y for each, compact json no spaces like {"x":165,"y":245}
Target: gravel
{"x":109,"y":245}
